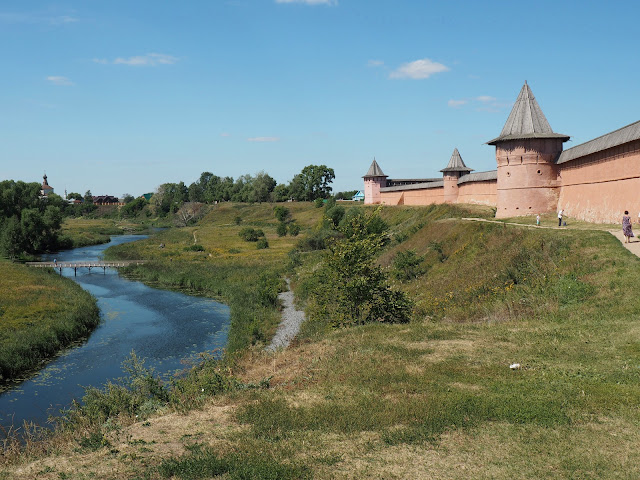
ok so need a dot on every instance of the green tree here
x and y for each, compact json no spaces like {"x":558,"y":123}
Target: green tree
{"x":353,"y":289}
{"x":28,"y":224}
{"x":263,"y":185}
{"x":74,"y":196}
{"x":311,"y":183}
{"x":280,"y":193}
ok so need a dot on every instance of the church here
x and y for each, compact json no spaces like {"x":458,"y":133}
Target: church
{"x":595,"y":181}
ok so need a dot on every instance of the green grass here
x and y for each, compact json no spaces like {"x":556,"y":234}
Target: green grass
{"x":81,"y":232}
{"x":434,"y":398}
{"x":40,"y":313}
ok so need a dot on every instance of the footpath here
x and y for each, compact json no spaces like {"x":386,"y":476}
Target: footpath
{"x":290,"y":324}
{"x":633,"y":246}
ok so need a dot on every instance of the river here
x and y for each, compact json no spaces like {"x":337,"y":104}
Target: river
{"x":167,"y":329}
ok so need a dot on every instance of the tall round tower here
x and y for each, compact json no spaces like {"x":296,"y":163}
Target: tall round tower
{"x":526,"y":153}
{"x":374,"y":180}
{"x":451,"y":174}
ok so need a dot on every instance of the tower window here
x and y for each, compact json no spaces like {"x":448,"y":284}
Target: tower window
{"x":539,"y":172}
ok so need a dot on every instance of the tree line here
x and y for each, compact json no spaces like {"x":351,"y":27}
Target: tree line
{"x":28,"y":224}
{"x":311,"y":183}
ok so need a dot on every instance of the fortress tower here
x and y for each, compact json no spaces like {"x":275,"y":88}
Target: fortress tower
{"x":373,"y":181}
{"x":526,"y":152}
{"x":451,"y":174}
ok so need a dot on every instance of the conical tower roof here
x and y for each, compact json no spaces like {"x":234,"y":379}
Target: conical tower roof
{"x":526,"y":120}
{"x":374,"y":170}
{"x":456,"y":164}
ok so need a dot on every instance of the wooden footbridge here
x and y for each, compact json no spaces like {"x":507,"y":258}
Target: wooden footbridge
{"x":86,"y":264}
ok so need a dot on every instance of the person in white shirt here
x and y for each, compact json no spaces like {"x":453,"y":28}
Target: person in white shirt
{"x":560,"y":215}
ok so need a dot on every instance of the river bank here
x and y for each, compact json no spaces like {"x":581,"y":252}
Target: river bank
{"x":167,"y":330}
{"x":435,"y":397}
{"x":40,"y":314}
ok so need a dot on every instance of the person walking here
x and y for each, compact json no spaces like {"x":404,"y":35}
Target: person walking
{"x":538,"y":220}
{"x":626,"y":227}
{"x":560,"y":215}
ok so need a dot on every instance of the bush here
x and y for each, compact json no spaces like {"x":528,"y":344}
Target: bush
{"x":281,"y":230}
{"x":249,"y":234}
{"x":335,"y":214}
{"x":262,"y":244}
{"x":238,"y":220}
{"x":194,"y":248}
{"x":294,"y":229}
{"x":281,"y":213}
{"x":316,"y":240}
{"x":318,"y":202}
{"x":406,"y":265}
{"x":352,"y":288}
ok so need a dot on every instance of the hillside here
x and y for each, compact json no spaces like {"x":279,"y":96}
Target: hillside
{"x":432,"y":398}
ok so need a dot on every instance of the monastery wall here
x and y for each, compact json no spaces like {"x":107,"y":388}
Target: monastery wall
{"x":481,"y":193}
{"x":423,"y":196}
{"x":601,"y":186}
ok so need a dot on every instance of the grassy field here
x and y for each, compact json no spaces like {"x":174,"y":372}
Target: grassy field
{"x":434,"y":398}
{"x":80,"y":232}
{"x":40,"y":313}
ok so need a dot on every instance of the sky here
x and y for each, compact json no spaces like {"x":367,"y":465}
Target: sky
{"x":120,"y":96}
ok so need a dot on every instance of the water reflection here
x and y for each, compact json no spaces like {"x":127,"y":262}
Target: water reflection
{"x":165,"y":328}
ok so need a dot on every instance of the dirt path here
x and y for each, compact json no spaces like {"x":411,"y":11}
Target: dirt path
{"x":290,"y":324}
{"x":633,"y":246}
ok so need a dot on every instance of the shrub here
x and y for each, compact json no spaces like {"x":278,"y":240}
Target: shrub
{"x":294,"y":229}
{"x":194,"y":248}
{"x":281,"y":230}
{"x":316,"y":240}
{"x":238,"y":220}
{"x":262,"y":244}
{"x":335,"y":214}
{"x":318,"y":202}
{"x":406,"y":265}
{"x":281,"y":213}
{"x":249,"y":234}
{"x":352,"y":288}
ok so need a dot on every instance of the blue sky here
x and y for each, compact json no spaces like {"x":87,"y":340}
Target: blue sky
{"x":120,"y":96}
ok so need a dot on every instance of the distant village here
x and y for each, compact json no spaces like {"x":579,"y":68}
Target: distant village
{"x":76,"y":199}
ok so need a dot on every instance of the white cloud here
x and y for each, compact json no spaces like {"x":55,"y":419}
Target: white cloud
{"x":375,"y":63}
{"x":263,"y":139}
{"x":63,"y":19}
{"x":456,"y":103}
{"x":418,"y":70}
{"x":36,"y":18}
{"x":148,"y":60}
{"x":485,"y":99}
{"x":61,"y":81}
{"x":310,"y":2}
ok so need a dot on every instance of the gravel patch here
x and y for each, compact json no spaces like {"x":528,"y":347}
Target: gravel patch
{"x":290,"y":324}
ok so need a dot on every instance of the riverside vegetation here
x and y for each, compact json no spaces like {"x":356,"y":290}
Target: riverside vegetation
{"x":430,"y":398}
{"x":42,"y":313}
